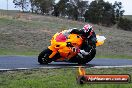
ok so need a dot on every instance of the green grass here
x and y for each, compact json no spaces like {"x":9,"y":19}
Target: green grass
{"x":114,"y":56}
{"x":57,"y":78}
{"x":20,"y":24}
{"x":12,"y":52}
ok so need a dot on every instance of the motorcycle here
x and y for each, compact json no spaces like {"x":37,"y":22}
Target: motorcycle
{"x":62,"y":49}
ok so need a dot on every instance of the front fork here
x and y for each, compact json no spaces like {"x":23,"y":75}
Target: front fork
{"x":54,"y":51}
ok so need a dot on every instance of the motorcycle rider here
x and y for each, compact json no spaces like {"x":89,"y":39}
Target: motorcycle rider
{"x":89,"y":44}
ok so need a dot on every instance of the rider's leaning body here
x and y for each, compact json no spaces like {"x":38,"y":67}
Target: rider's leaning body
{"x":88,"y":36}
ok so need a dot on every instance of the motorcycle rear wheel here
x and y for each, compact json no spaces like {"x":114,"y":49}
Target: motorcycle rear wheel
{"x":92,"y":55}
{"x":87,"y":58}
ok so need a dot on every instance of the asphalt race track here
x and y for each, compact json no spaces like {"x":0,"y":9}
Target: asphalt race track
{"x":30,"y":62}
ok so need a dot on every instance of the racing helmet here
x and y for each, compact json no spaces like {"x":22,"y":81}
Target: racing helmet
{"x":87,"y":28}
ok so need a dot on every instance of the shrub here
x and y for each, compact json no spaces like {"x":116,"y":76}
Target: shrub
{"x":125,"y":24}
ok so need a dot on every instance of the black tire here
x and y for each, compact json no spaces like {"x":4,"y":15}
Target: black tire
{"x":92,"y":55}
{"x":82,"y":61}
{"x":43,"y":57}
{"x":88,"y":58}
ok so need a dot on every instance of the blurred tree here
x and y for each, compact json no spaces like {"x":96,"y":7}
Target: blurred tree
{"x":32,"y":6}
{"x":82,"y":6}
{"x":42,"y":6}
{"x":56,"y":11}
{"x":91,"y":15}
{"x":62,"y":6}
{"x":118,"y":10}
{"x":108,"y":17}
{"x":75,"y":13}
{"x":23,"y":4}
{"x":100,"y":12}
{"x":71,"y":9}
{"x":35,"y":6}
{"x":125,"y":24}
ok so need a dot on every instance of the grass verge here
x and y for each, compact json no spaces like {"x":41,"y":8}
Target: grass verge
{"x":12,"y":52}
{"x":114,"y":56}
{"x":57,"y":78}
{"x":34,"y":53}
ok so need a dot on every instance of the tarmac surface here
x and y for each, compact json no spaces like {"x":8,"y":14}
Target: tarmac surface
{"x":30,"y":62}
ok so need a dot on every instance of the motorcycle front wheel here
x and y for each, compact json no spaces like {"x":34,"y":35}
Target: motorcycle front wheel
{"x":43,"y":57}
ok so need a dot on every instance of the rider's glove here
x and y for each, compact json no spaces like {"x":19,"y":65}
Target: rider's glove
{"x":84,"y":52}
{"x":75,"y":49}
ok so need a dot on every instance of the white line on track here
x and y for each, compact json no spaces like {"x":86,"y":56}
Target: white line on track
{"x":52,"y":67}
{"x":16,"y":69}
{"x":124,"y":66}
